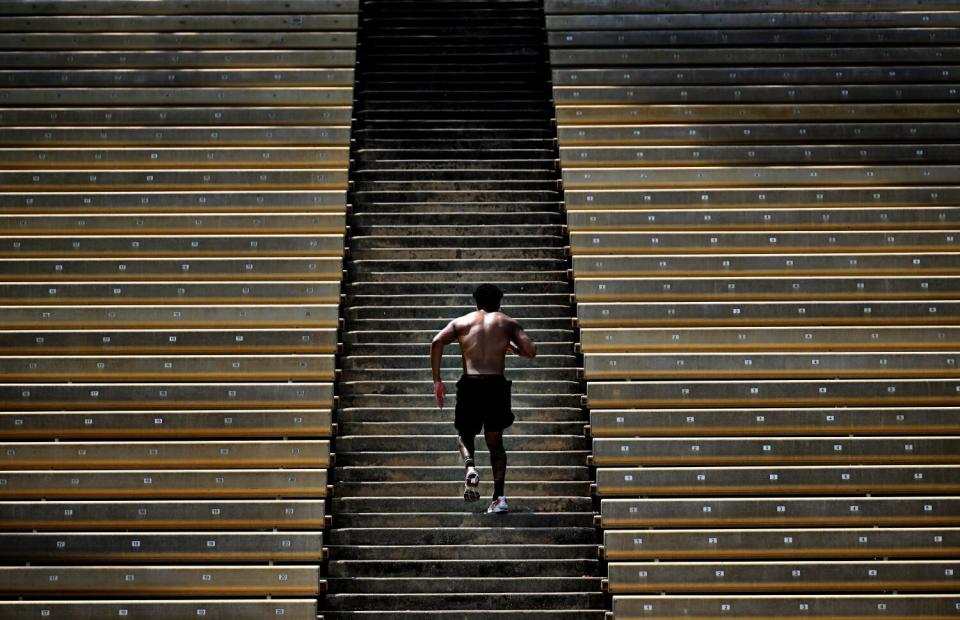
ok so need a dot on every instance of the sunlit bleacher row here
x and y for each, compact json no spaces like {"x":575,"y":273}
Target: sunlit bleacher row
{"x":172,"y":217}
{"x":762,"y":207}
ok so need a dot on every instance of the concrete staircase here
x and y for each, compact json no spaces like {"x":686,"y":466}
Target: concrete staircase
{"x":456,"y":183}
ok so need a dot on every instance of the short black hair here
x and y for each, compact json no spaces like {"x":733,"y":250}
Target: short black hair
{"x":488,"y":297}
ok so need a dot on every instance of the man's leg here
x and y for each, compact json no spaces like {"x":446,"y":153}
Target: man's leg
{"x":471,"y":490}
{"x":498,"y":459}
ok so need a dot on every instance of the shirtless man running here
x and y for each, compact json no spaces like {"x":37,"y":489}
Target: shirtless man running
{"x":483,"y":393}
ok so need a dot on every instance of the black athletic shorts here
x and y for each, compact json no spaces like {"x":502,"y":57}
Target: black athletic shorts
{"x":483,"y":402}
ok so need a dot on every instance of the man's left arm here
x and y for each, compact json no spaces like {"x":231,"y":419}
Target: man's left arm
{"x":444,"y":337}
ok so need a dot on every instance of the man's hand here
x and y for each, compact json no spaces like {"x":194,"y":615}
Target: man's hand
{"x":440,"y":392}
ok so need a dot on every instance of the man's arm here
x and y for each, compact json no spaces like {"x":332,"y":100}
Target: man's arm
{"x":444,"y":337}
{"x":523,"y":344}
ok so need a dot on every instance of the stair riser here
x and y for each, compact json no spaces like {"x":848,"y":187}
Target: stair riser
{"x":454,"y":275}
{"x":513,"y":519}
{"x":465,"y":601}
{"x":439,"y":428}
{"x":451,"y":458}
{"x":423,"y":349}
{"x":477,"y":568}
{"x":468,"y":536}
{"x":348,"y":399}
{"x":398,"y":385}
{"x":428,"y":474}
{"x":519,"y":504}
{"x":477,"y":584}
{"x":441,"y":443}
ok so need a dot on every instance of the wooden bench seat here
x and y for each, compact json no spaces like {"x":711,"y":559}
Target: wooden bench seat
{"x":51,"y":294}
{"x":171,"y":7}
{"x":767,"y":198}
{"x":100,"y":247}
{"x":768,"y":19}
{"x":743,"y":75}
{"x":766,"y":511}
{"x":649,"y":155}
{"x":811,"y":313}
{"x":176,"y":23}
{"x":663,"y":544}
{"x":717,"y":39}
{"x":592,"y":242}
{"x":777,"y":450}
{"x":211,"y":203}
{"x":144,"y":341}
{"x":833,"y":392}
{"x":274,"y":135}
{"x":200,"y":96}
{"x":96,"y":58}
{"x":756,"y":288}
{"x":161,"y":580}
{"x":863,"y":94}
{"x":173,"y":158}
{"x":308,"y":313}
{"x":241,"y":454}
{"x":711,"y":365}
{"x":157,"y":41}
{"x":787,"y":576}
{"x":175,"y":78}
{"x":787,"y":480}
{"x":808,"y":263}
{"x":770,"y":112}
{"x":756,"y":218}
{"x":152,"y":424}
{"x":716,"y":607}
{"x":780,"y":421}
{"x":237,"y":483}
{"x":178,"y":546}
{"x":141,"y":270}
{"x":124,"y":396}
{"x":575,"y":7}
{"x":172,"y":115}
{"x":234,"y":609}
{"x":199,"y":223}
{"x":780,"y":339}
{"x":179,"y":515}
{"x":712,"y":176}
{"x":142,"y":180}
{"x":574,"y":138}
{"x":605,"y":56}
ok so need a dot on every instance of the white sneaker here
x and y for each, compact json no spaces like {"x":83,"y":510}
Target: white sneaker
{"x":499,"y":505}
{"x":471,"y":487}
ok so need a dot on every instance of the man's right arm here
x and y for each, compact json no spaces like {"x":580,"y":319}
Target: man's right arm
{"x":525,"y":346}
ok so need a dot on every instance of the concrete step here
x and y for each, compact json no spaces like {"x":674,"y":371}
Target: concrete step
{"x":464,"y":519}
{"x":455,"y":488}
{"x":463,"y":551}
{"x":364,"y":398}
{"x":462,"y":568}
{"x":405,"y":415}
{"x":400,"y":473}
{"x":505,"y":614}
{"x":422,"y":331}
{"x":454,"y":299}
{"x":411,"y":387}
{"x":451,"y":458}
{"x":451,"y":374}
{"x":360,"y":443}
{"x":572,"y":427}
{"x":380,"y":360}
{"x":454,"y":275}
{"x":459,"y":205}
{"x":555,"y":252}
{"x":423,"y":348}
{"x":441,"y":601}
{"x":514,"y":536}
{"x":367,"y":219}
{"x":386,"y":585}
{"x":453,"y":504}
{"x":518,"y":311}
{"x":420,"y":195}
{"x":529,"y":289}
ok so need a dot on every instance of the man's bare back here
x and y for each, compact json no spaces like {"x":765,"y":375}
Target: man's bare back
{"x":485,"y":337}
